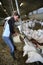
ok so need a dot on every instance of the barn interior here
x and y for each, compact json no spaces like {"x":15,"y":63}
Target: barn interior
{"x":26,"y":10}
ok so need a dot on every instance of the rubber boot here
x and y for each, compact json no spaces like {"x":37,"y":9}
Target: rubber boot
{"x":13,"y":55}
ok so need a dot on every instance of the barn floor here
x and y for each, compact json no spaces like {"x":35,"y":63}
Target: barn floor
{"x":6,"y":58}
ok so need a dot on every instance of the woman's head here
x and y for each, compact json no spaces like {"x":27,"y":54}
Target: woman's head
{"x":16,"y":15}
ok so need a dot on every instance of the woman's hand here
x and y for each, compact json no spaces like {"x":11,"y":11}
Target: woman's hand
{"x":15,"y":34}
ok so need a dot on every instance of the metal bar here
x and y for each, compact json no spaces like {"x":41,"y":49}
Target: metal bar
{"x":18,"y":13}
{"x":10,"y":6}
{"x":17,"y":7}
{"x":1,"y":18}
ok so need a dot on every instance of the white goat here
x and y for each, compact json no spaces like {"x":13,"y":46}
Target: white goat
{"x":32,"y":53}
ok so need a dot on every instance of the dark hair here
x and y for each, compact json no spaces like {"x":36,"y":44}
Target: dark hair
{"x":16,"y":14}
